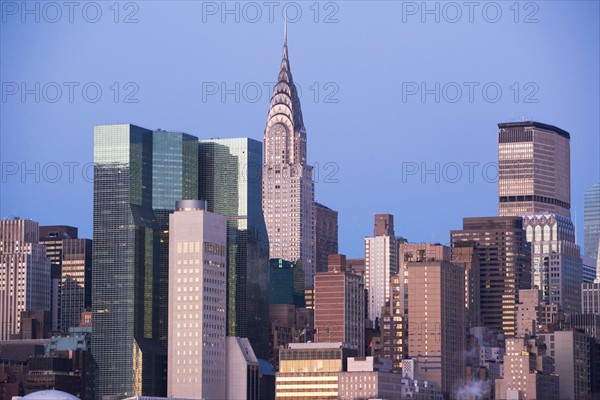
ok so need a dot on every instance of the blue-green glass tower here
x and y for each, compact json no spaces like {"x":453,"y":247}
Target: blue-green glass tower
{"x":138,"y":176}
{"x":174,"y":177}
{"x":231,"y":184}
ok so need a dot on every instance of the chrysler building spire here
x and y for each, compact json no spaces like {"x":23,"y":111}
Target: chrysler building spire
{"x":285,"y":113}
{"x":288,"y":189}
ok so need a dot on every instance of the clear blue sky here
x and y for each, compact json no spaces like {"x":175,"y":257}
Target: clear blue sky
{"x":370,"y":57}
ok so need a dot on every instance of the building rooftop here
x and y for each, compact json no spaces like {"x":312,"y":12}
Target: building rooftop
{"x":535,"y":124}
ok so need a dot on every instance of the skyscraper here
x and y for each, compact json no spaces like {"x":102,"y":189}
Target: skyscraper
{"x":534,"y":174}
{"x":288,"y":188}
{"x":24,"y":274}
{"x":591,"y":221}
{"x":197,"y":297}
{"x":436,"y":321}
{"x":71,"y":259}
{"x":465,"y":255}
{"x":174,"y":177}
{"x":393,"y":325}
{"x":381,"y":262}
{"x":418,"y":252}
{"x":326,"y":235}
{"x":125,"y":274}
{"x":504,"y":266}
{"x":52,"y":237}
{"x":556,"y":261}
{"x":76,"y":281}
{"x":231,"y":184}
{"x":339,"y":305}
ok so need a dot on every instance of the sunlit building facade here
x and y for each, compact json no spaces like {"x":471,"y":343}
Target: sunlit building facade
{"x":339,"y":305}
{"x":197,"y":301}
{"x":534,"y":170}
{"x":381,"y":262}
{"x":591,"y":221}
{"x":311,"y":370}
{"x":436,"y":321}
{"x":288,"y":188}
{"x":24,"y":274}
{"x":528,"y":372}
{"x":555,"y":257}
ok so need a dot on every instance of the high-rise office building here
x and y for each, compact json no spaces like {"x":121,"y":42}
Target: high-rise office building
{"x":126,"y":343}
{"x":381,"y":262}
{"x":71,"y":260}
{"x":76,"y":281}
{"x":436,"y":321}
{"x":591,"y":221}
{"x":52,"y":237}
{"x":555,"y":258}
{"x":311,"y":370}
{"x":504,"y":266}
{"x":590,"y":298}
{"x":197,"y":302}
{"x":339,"y":305}
{"x":326,"y":235}
{"x":588,"y":269}
{"x":393,"y":326}
{"x":285,"y":283}
{"x":418,"y":252}
{"x":174,"y":177}
{"x":465,"y":255}
{"x":288,"y":188}
{"x":24,"y":274}
{"x":534,"y":173}
{"x":231,"y":184}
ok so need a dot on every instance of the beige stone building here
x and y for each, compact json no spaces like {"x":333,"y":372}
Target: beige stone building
{"x":197,"y":298}
{"x":528,"y":372}
{"x":436,"y":321}
{"x":24,"y":274}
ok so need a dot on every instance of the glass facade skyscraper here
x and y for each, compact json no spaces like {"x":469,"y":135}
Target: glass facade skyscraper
{"x":174,"y":177}
{"x":591,"y":220}
{"x":556,"y":263}
{"x":138,"y":176}
{"x":231,"y":183}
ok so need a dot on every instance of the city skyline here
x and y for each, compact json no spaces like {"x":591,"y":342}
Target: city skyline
{"x":342,"y":57}
{"x":216,"y":265}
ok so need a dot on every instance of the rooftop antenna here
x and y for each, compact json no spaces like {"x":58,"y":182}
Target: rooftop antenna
{"x":285,"y":28}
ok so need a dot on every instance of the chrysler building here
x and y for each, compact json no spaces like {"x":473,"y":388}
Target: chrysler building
{"x":288,"y":189}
